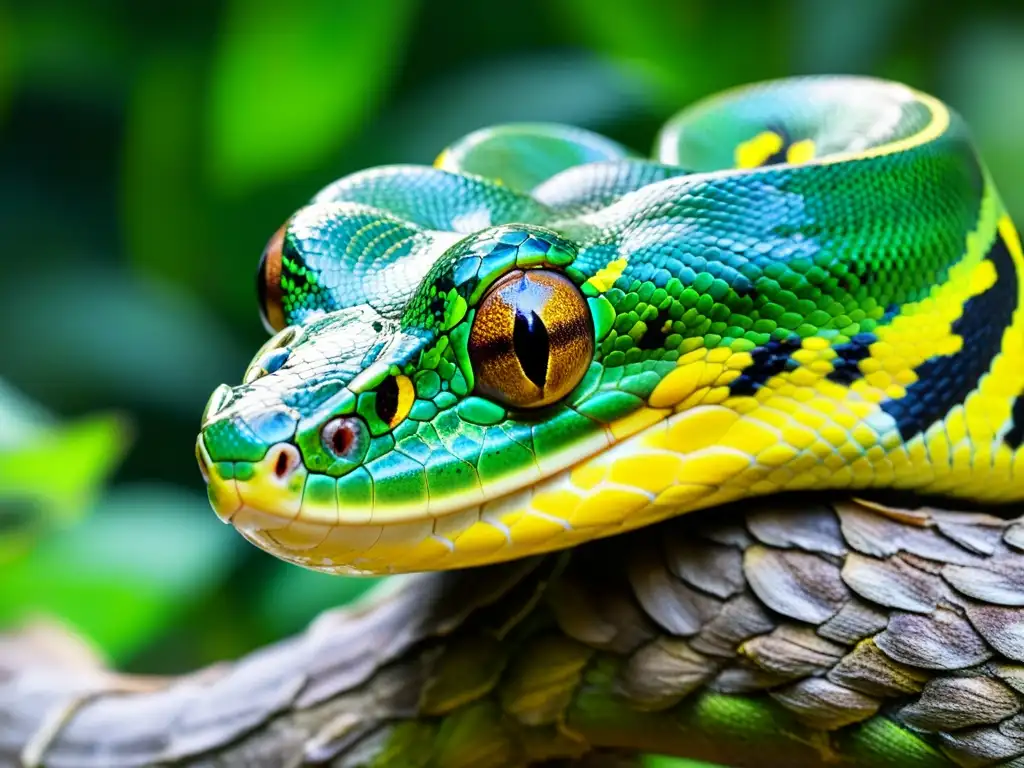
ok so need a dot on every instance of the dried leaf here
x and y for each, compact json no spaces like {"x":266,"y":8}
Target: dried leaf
{"x":600,"y":612}
{"x":977,"y":747}
{"x":879,"y":536}
{"x":675,"y":606}
{"x":822,"y":704}
{"x":940,"y":640}
{"x":741,"y":618}
{"x":793,"y":651}
{"x":745,"y":678}
{"x":468,"y":669}
{"x":952,"y":703}
{"x":802,"y":586}
{"x":868,"y":670}
{"x":1011,"y":674}
{"x":972,"y":534}
{"x":991,"y":583}
{"x":543,"y":678}
{"x":1002,"y":627}
{"x":892,"y":583}
{"x":576,"y":610}
{"x":810,"y":528}
{"x":709,"y":567}
{"x":633,"y":627}
{"x":729,"y":534}
{"x":855,"y":621}
{"x":1013,"y":727}
{"x":915,"y":517}
{"x":661,"y":673}
{"x":1014,"y":536}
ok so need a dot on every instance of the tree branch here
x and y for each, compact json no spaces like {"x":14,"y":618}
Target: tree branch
{"x":770,"y":635}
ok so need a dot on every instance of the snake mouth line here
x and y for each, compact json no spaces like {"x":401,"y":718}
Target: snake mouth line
{"x":634,"y":477}
{"x":263,"y":491}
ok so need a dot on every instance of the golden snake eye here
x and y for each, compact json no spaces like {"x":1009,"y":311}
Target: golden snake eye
{"x":268,"y":282}
{"x":532,"y":339}
{"x":395,"y":397}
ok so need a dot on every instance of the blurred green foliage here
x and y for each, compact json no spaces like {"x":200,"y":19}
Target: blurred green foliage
{"x":148,"y":151}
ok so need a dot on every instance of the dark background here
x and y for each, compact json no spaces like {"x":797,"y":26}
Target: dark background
{"x":148,"y":150}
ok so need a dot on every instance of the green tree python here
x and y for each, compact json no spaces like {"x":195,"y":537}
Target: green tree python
{"x":544,"y":340}
{"x":799,"y":325}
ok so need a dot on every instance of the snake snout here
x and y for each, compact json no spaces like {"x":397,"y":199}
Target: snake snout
{"x":245,"y":437}
{"x":249,"y":459}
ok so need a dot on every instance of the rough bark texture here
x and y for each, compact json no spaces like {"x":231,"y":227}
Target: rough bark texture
{"x":770,"y":634}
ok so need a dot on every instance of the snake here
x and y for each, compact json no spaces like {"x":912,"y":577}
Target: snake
{"x":545,"y":338}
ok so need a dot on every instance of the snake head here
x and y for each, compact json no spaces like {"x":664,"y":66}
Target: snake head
{"x":415,"y":376}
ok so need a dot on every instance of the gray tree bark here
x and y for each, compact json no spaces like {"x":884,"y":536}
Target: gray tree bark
{"x":780,"y":633}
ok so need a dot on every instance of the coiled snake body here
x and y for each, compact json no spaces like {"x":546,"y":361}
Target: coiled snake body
{"x":544,"y":339}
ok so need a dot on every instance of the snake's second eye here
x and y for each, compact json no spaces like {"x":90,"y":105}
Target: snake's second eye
{"x":268,"y":282}
{"x":395,"y":397}
{"x":532,"y":339}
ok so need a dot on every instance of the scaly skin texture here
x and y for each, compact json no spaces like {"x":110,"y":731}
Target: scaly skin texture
{"x":787,"y":633}
{"x":545,"y":340}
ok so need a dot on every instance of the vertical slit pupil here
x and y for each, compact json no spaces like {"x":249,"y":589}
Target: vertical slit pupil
{"x":387,"y":399}
{"x":532,"y":346}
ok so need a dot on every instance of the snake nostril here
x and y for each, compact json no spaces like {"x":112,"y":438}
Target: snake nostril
{"x":286,"y":461}
{"x":281,"y":466}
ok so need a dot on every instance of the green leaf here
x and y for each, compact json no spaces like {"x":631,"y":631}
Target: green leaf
{"x":292,"y":81}
{"x":50,"y":472}
{"x":123,"y":574}
{"x":660,"y":761}
{"x":64,"y":466}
